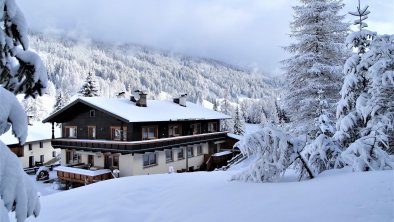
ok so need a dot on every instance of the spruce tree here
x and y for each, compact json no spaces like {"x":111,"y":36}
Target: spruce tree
{"x":89,"y":88}
{"x":60,"y":102}
{"x":316,"y":63}
{"x":366,"y":109}
{"x":239,"y":125}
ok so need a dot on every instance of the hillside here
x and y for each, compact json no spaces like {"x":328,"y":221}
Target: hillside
{"x":336,"y":195}
{"x":119,"y":66}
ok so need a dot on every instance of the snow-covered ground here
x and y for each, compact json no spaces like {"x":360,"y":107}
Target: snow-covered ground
{"x":336,"y":195}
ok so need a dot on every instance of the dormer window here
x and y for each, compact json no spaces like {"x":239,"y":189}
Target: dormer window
{"x":92,"y":113}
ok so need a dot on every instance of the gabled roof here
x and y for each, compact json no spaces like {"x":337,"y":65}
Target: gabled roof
{"x":36,"y":132}
{"x":156,"y":110}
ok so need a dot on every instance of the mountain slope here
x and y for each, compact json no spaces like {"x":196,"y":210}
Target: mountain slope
{"x":120,"y":66}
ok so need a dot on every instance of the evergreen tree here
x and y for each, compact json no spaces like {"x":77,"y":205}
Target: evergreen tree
{"x":60,"y":102}
{"x":317,"y":60}
{"x":366,"y":108}
{"x":21,"y":72}
{"x":215,"y":105}
{"x":239,"y":125}
{"x":226,"y":124}
{"x":89,"y":88}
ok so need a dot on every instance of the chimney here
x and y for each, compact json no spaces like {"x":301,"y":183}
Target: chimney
{"x":181,"y":100}
{"x":135,"y":96}
{"x":142,"y":100}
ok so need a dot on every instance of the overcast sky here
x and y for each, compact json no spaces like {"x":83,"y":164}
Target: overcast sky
{"x":245,"y":33}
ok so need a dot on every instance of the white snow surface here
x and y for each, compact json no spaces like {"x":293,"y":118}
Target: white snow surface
{"x":82,"y":171}
{"x":155,"y":111}
{"x":211,"y":196}
{"x":36,"y":132}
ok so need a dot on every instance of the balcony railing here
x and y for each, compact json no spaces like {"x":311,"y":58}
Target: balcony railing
{"x":127,"y":147}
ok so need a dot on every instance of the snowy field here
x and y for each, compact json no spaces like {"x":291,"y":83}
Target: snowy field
{"x":336,"y":195}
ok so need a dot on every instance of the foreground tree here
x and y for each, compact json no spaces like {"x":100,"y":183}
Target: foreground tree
{"x":89,"y":88}
{"x":366,"y":109}
{"x":273,"y":151}
{"x":317,"y":61}
{"x":21,"y":71}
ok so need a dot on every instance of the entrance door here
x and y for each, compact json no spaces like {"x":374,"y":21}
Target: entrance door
{"x":31,"y":161}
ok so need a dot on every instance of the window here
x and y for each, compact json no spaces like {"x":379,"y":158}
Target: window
{"x":92,"y":113}
{"x":41,"y":144}
{"x":169,"y":156}
{"x":115,"y":161}
{"x":116,"y":133}
{"x":212,"y":127}
{"x":174,"y":130}
{"x":76,"y":157}
{"x":190,"y":151}
{"x":72,"y":157}
{"x":199,"y":150}
{"x":92,"y":132}
{"x":149,"y":132}
{"x":53,"y":153}
{"x":91,"y":160}
{"x":195,"y":128}
{"x":181,"y":154}
{"x":30,"y":146}
{"x":71,"y":131}
{"x":111,"y":161}
{"x":149,"y":159}
{"x":42,"y":159}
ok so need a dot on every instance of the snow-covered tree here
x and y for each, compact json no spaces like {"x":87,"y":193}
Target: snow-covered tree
{"x":323,"y":152}
{"x":226,"y":108}
{"x":89,"y":88}
{"x":273,"y":151}
{"x":36,"y":108}
{"x":21,"y":71}
{"x":318,"y":57}
{"x":60,"y":101}
{"x":375,"y":108}
{"x":366,"y":109}
{"x":239,"y":125}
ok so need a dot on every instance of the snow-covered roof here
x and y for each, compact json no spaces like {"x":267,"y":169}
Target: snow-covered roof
{"x":82,"y":171}
{"x":156,"y":110}
{"x":235,"y":136}
{"x":36,"y":132}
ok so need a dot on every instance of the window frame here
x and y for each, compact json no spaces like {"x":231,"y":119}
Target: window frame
{"x":67,"y":131}
{"x":92,"y":113}
{"x":94,"y":136}
{"x":171,"y":130}
{"x":196,"y":128}
{"x":41,"y":144}
{"x":155,"y":132}
{"x":42,"y":159}
{"x":212,"y":127}
{"x":179,"y":151}
{"x":30,"y":146}
{"x":199,"y":150}
{"x":191,"y":149}
{"x":118,"y":128}
{"x":150,"y":160}
{"x":171,"y":154}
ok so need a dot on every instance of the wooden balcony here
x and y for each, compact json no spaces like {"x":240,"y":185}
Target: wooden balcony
{"x":127,"y":147}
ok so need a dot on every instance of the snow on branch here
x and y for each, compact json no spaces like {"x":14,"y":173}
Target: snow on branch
{"x":273,"y":152}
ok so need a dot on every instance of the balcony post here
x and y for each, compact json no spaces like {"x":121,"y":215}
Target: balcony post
{"x":53,"y":130}
{"x":121,"y":131}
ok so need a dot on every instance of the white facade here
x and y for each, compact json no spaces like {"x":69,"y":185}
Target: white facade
{"x":133,"y":164}
{"x":38,"y":150}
